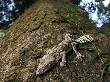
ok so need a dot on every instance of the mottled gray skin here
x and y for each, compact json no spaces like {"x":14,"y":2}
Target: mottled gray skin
{"x":59,"y":52}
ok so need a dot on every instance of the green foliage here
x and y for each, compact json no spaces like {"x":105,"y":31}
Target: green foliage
{"x":2,"y":34}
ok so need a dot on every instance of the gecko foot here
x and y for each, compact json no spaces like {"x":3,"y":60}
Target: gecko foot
{"x":63,"y":62}
{"x":79,"y":56}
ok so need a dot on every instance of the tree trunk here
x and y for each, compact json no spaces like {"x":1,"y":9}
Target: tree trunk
{"x":39,"y":29}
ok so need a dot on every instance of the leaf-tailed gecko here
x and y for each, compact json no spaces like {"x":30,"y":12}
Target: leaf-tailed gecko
{"x":59,"y":52}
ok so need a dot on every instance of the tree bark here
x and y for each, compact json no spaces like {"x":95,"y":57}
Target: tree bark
{"x":39,"y":29}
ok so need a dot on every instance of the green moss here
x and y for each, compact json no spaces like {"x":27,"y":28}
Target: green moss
{"x":75,"y":16}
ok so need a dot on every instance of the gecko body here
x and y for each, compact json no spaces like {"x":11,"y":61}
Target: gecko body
{"x":59,"y":52}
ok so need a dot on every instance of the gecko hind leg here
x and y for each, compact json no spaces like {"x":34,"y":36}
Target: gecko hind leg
{"x":63,"y":62}
{"x":78,"y":55}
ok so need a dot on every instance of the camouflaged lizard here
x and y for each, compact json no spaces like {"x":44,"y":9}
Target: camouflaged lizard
{"x":59,"y":52}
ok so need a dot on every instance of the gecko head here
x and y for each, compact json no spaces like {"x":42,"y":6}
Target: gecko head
{"x":45,"y":64}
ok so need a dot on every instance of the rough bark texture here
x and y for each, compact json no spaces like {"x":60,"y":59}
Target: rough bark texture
{"x":37,"y":30}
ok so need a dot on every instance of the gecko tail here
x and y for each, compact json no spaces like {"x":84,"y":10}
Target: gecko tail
{"x":84,"y":39}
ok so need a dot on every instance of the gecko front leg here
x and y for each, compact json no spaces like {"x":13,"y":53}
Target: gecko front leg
{"x":63,"y":62}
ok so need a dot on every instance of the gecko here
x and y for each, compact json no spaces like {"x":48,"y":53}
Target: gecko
{"x":59,"y":52}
